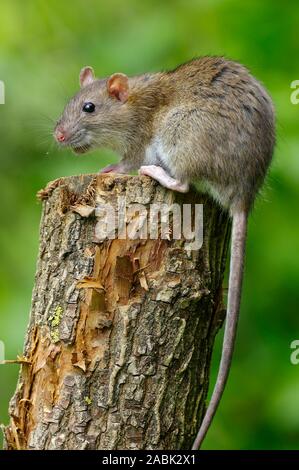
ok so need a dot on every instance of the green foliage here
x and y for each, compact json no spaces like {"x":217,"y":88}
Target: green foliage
{"x":43,"y":45}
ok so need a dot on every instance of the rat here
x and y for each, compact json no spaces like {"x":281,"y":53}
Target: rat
{"x":208,"y":120}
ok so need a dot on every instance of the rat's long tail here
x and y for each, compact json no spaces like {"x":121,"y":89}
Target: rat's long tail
{"x":239,"y":231}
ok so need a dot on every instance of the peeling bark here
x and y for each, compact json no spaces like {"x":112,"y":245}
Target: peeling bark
{"x":121,"y":331}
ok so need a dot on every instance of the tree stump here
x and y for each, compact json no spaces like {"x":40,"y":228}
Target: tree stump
{"x":119,"y":343}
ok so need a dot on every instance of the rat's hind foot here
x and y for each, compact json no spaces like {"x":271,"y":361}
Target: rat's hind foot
{"x":160,"y":175}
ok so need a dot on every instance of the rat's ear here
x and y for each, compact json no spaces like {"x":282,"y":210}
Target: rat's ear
{"x":118,"y":86}
{"x":86,"y":76}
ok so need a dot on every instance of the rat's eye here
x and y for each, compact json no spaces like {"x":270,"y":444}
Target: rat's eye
{"x":88,"y":107}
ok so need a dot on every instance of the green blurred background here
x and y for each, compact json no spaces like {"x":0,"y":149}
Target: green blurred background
{"x":43,"y":45}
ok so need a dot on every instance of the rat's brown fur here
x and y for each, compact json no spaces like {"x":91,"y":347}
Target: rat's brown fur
{"x":213,"y":119}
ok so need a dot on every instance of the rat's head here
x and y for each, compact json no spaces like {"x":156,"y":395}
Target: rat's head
{"x":98,"y":115}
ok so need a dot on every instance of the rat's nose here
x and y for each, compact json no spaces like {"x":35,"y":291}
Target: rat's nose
{"x":60,"y":135}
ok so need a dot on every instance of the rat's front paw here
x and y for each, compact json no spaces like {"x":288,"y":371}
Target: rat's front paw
{"x":114,"y":168}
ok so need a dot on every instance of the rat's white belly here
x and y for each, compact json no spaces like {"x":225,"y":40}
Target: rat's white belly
{"x":156,"y":154}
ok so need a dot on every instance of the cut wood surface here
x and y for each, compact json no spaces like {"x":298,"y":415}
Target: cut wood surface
{"x":118,"y":348}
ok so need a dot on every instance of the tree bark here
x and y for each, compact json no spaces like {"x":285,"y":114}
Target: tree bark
{"x":118,"y":347}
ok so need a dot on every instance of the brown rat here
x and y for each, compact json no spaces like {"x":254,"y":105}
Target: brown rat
{"x":208,"y":120}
